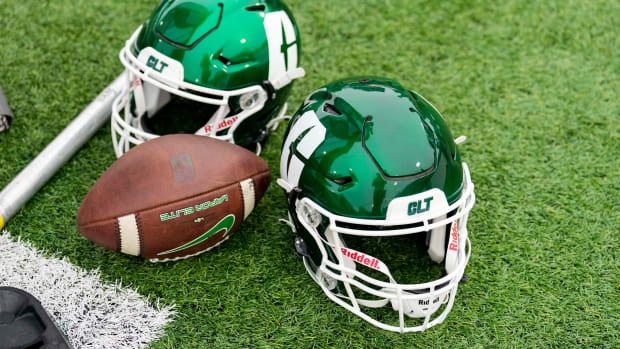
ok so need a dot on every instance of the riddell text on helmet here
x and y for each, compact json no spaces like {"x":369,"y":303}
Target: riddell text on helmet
{"x":454,"y":237}
{"x":226,"y":123}
{"x":361,"y":258}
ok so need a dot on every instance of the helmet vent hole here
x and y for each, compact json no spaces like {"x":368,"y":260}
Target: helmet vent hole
{"x":224,"y":60}
{"x":331,"y":109}
{"x":256,"y":8}
{"x":342,"y":181}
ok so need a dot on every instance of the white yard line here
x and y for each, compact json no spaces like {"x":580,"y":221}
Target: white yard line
{"x":93,"y":314}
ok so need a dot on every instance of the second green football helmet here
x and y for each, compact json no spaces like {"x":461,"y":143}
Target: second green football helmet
{"x":372,"y":174}
{"x":227,"y":66}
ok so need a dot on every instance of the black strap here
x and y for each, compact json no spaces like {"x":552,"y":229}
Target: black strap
{"x":17,"y":328}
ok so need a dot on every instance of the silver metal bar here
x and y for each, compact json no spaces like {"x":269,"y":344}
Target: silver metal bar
{"x":59,"y":151}
{"x":6,"y":115}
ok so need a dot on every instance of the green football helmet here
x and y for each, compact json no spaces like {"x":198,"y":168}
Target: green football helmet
{"x":216,"y":68}
{"x":372,"y":174}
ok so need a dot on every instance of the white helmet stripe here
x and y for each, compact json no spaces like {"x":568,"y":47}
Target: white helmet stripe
{"x":282,"y":44}
{"x":290,"y":169}
{"x":294,"y":171}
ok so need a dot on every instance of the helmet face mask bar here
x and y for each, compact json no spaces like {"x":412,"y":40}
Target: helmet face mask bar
{"x":355,"y":275}
{"x":238,"y":92}
{"x":338,"y":262}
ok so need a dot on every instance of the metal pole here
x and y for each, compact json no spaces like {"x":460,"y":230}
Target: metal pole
{"x":6,"y":116}
{"x":59,"y":151}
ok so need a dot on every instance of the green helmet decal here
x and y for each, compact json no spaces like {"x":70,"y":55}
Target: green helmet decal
{"x":239,"y":57}
{"x":379,"y":135}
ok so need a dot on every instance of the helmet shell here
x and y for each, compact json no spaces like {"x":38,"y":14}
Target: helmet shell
{"x":217,"y":42}
{"x":378,"y":135}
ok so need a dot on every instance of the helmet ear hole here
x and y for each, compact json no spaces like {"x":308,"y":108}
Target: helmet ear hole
{"x":257,"y":8}
{"x":224,"y":60}
{"x":342,"y":180}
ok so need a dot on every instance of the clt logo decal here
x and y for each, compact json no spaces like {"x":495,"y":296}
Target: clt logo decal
{"x":416,"y":207}
{"x":152,"y":63}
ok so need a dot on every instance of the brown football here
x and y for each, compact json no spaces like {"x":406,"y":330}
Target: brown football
{"x":173,"y":197}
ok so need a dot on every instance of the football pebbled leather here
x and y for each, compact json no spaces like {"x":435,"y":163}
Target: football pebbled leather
{"x":173,"y":197}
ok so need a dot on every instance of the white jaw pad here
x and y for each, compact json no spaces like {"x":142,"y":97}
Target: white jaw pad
{"x":437,"y":244}
{"x":153,"y":97}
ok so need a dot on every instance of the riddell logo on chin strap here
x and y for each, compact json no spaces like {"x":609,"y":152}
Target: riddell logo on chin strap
{"x":454,"y":237}
{"x":362,"y":258}
{"x":222,"y":125}
{"x":428,"y":301}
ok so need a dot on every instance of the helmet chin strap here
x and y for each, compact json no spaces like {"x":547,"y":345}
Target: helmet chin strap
{"x":439,"y":250}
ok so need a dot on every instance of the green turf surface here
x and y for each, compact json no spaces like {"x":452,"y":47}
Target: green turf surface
{"x":535,"y":85}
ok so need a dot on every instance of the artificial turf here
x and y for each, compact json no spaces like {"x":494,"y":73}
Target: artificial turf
{"x":535,"y":85}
